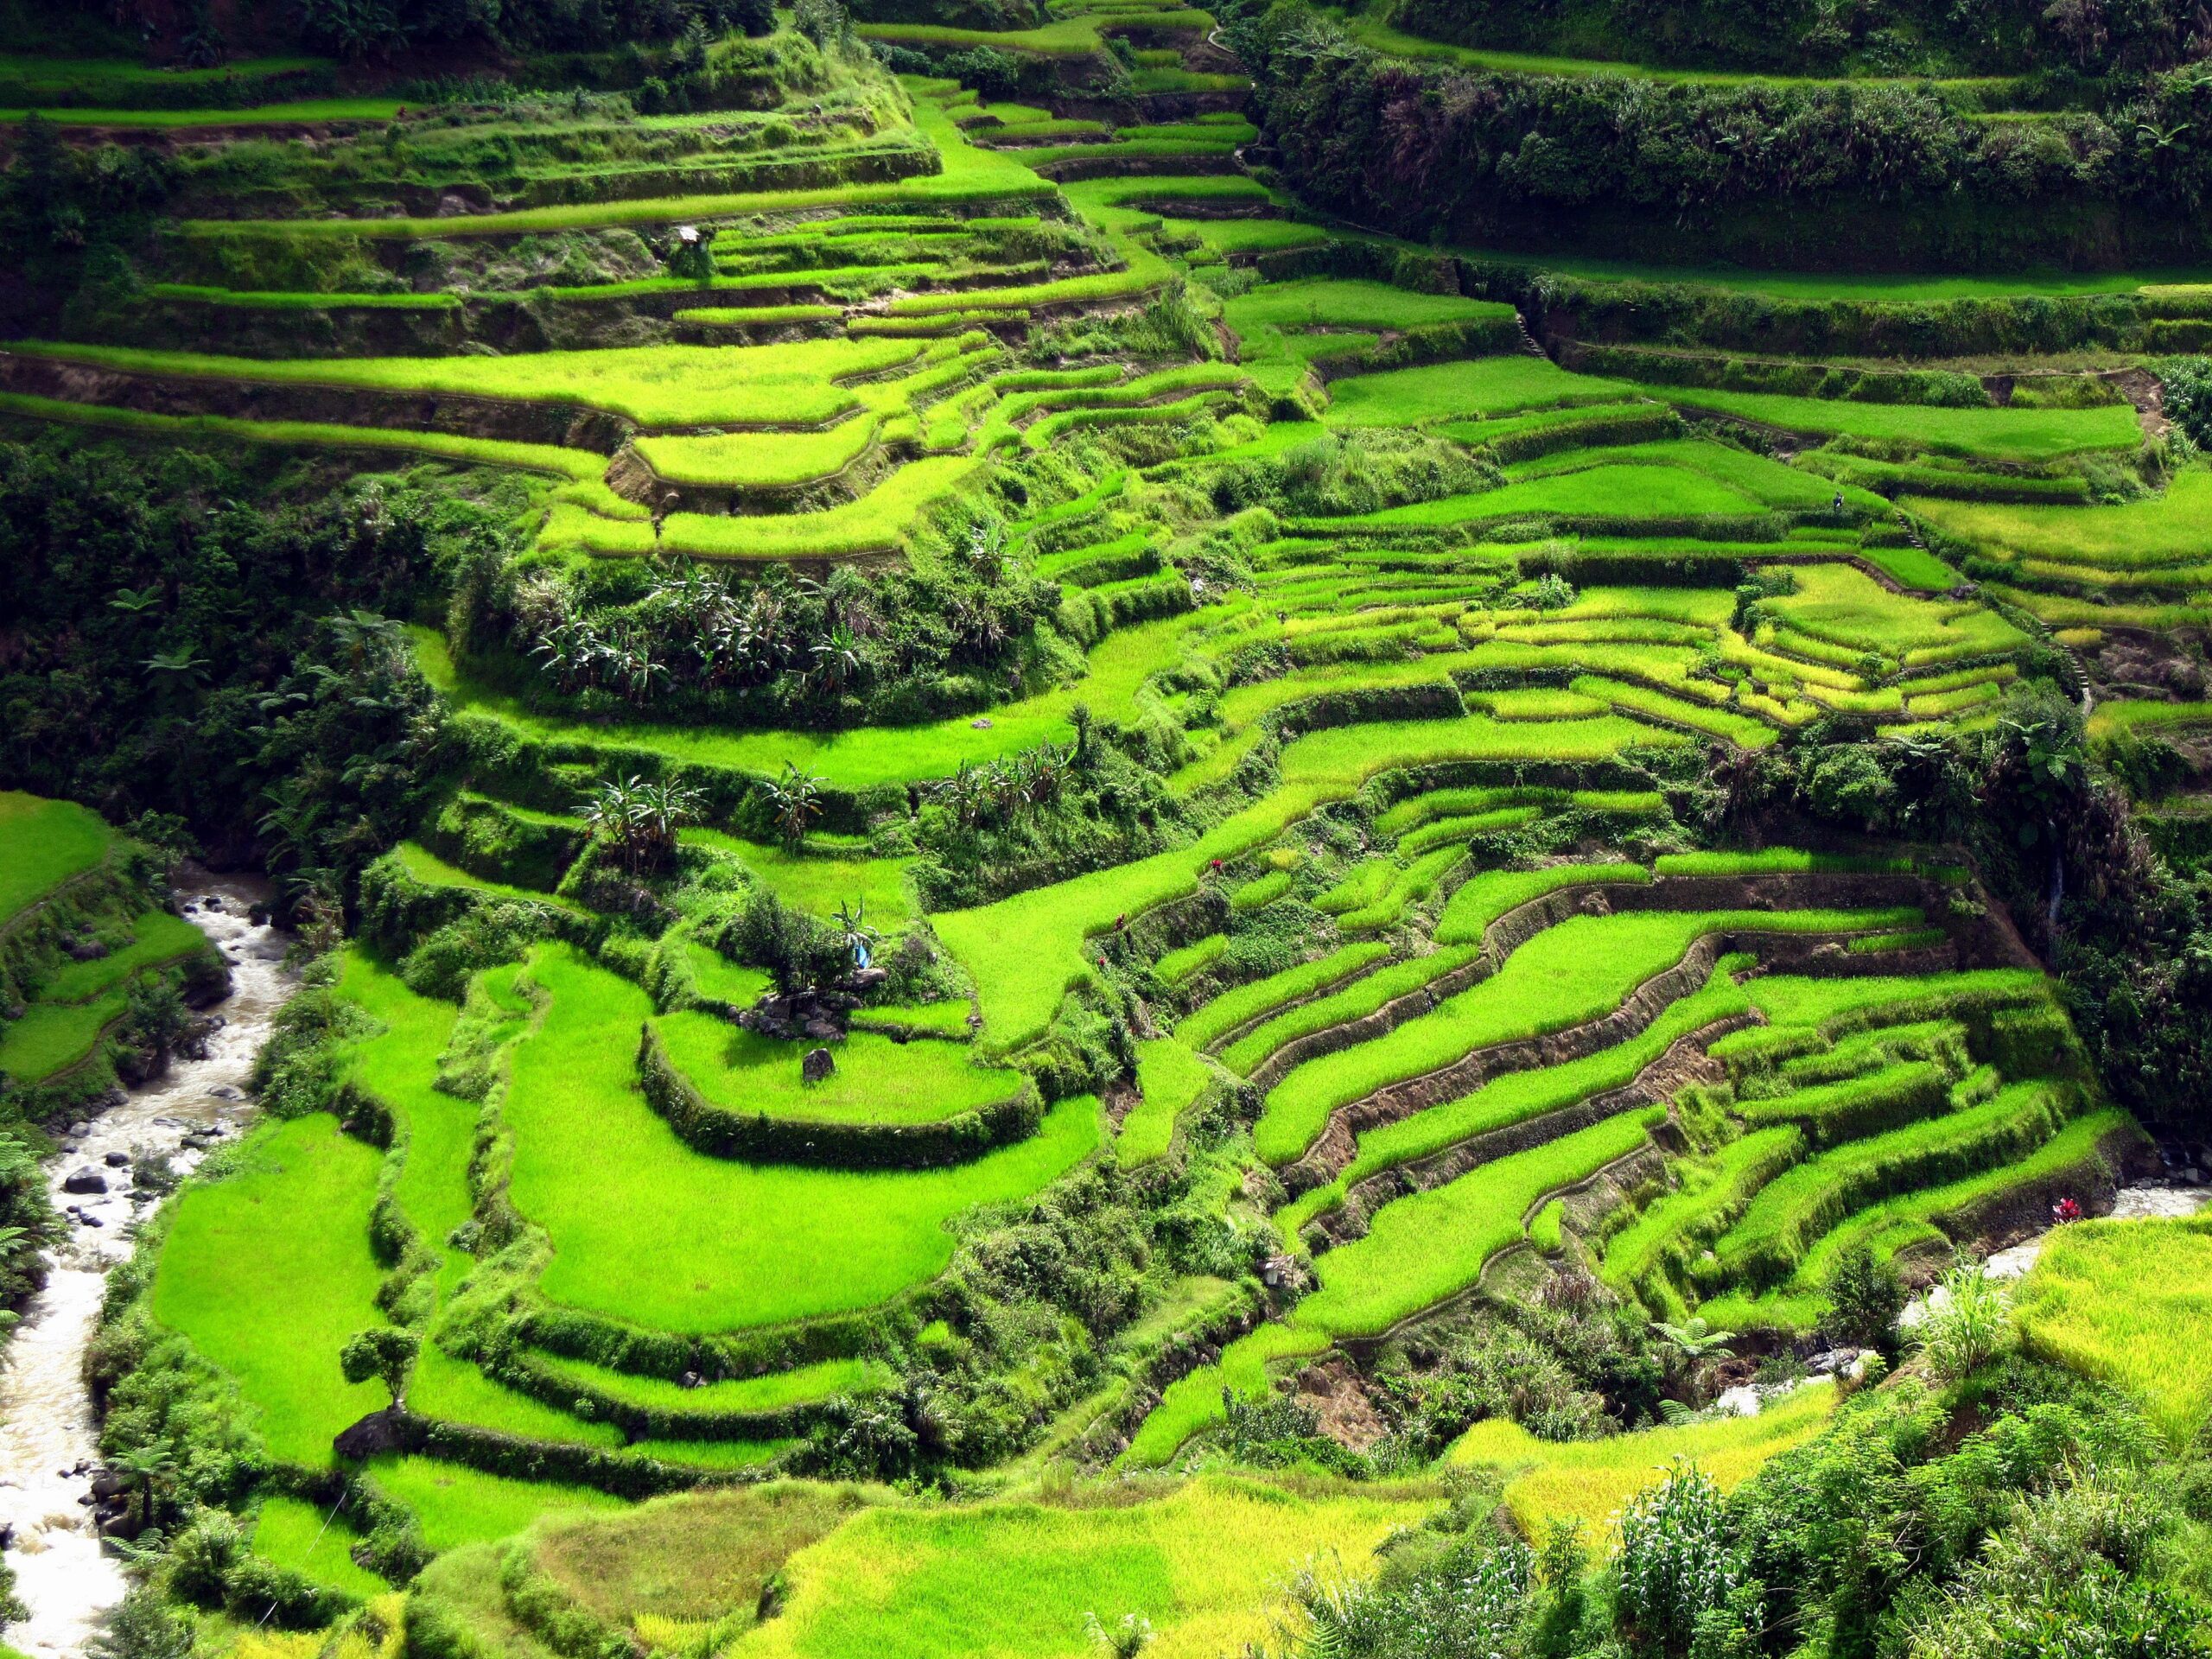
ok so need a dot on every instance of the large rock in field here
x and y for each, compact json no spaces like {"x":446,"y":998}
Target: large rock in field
{"x":389,"y":1430}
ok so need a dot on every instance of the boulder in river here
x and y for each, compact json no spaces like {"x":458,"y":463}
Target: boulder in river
{"x":84,"y":1179}
{"x":117,"y":1160}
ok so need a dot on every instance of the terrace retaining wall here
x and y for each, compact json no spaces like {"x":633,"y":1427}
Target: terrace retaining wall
{"x":1684,"y":1062}
{"x":755,"y":1137}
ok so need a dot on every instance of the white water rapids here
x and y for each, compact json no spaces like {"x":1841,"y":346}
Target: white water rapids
{"x":48,"y":1444}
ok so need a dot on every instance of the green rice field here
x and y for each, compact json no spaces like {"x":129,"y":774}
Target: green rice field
{"x":281,"y":1245}
{"x":48,"y":842}
{"x":745,"y":1230}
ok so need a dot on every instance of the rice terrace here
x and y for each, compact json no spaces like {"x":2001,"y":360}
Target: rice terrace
{"x":907,"y":828}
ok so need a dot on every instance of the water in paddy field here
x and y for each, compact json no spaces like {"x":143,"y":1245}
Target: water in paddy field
{"x":49,"y":1445}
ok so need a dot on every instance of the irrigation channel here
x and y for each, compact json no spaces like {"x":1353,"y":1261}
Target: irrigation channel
{"x":48,"y":1445}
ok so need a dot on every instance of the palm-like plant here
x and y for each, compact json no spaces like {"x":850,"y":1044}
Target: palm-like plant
{"x":2162,"y":139}
{"x":145,"y":1471}
{"x":562,"y":649}
{"x":1125,"y":1639}
{"x":1044,"y":775}
{"x":963,"y":795}
{"x":858,"y":937}
{"x":794,"y":801}
{"x":725,"y":646}
{"x":766,"y":628}
{"x":138,"y":603}
{"x":1694,"y":1341}
{"x":2044,"y":742}
{"x":835,"y":659}
{"x":1003,"y":790}
{"x":363,"y":638}
{"x":176,"y":669}
{"x":986,"y":550}
{"x":642,"y":673}
{"x":640,"y":818}
{"x":293,"y":824}
{"x":1967,"y":1324}
{"x":662,"y":809}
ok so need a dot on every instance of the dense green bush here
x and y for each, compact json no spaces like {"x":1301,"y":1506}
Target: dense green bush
{"x":799,"y":951}
{"x":995,"y":74}
{"x":2188,"y":385}
{"x":938,"y":636}
{"x":2022,"y":1514}
{"x":1499,"y":1371}
{"x":1031,"y":1296}
{"x":67,"y":213}
{"x":1804,"y":37}
{"x":1574,"y":1362}
{"x":1864,"y":1297}
{"x":1365,"y":470}
{"x":198,"y":644}
{"x":1823,"y":1521}
{"x":379,"y":29}
{"x":27,"y":1221}
{"x":297,"y":1071}
{"x":1850,"y":174}
{"x":1680,"y":1574}
{"x":212,"y":1561}
{"x":143,"y":1626}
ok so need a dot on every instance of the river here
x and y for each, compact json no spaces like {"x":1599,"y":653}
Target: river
{"x":48,"y":1443}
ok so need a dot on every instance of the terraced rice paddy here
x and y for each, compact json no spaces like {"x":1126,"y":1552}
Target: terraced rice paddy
{"x":78,"y":934}
{"x":757,"y":1240}
{"x":2122,"y":1301}
{"x":1315,"y":857}
{"x":51,"y":841}
{"x":281,"y":1245}
{"x":1589,"y":1482}
{"x":926,"y":1576}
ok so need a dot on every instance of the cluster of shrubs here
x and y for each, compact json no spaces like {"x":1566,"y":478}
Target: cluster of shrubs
{"x":937,"y":636}
{"x":378,"y":28}
{"x":2056,"y":45}
{"x":2022,"y":1512}
{"x":1421,"y":150}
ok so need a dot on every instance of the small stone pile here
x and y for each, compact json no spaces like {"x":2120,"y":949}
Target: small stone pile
{"x":816,"y":1016}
